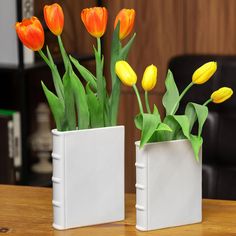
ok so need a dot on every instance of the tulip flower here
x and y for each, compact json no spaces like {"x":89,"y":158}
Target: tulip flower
{"x":126,"y":18}
{"x":128,"y":77}
{"x":221,"y":95}
{"x":54,"y":18}
{"x":149,"y":78}
{"x":125,"y":73}
{"x":95,"y":20}
{"x":148,"y":82}
{"x":31,"y":33}
{"x":204,"y":73}
{"x":200,"y":76}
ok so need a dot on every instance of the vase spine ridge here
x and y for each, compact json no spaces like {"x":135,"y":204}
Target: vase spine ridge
{"x":56,"y":204}
{"x":139,"y":186}
{"x":138,"y":165}
{"x":56,"y":156}
{"x":140,"y":208}
{"x":56,"y":180}
{"x":58,"y":201}
{"x":141,"y":189}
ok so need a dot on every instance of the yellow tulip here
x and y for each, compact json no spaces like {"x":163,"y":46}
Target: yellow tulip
{"x":125,"y":73}
{"x":221,"y":95}
{"x":204,"y":73}
{"x":149,"y":78}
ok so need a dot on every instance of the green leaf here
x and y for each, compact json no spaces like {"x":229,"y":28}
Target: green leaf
{"x":107,"y":113}
{"x":56,"y":77}
{"x":138,"y":121}
{"x":101,"y":83}
{"x":163,"y":127}
{"x":95,"y":109}
{"x":156,"y":112}
{"x":191,"y":114}
{"x":80,"y":101}
{"x":195,"y":112}
{"x":115,"y":93}
{"x":69,"y":99}
{"x":85,"y":73}
{"x":125,"y":50}
{"x":150,"y":123}
{"x":183,"y":122}
{"x":196,"y":143}
{"x":114,"y":102}
{"x":65,"y":58}
{"x":179,"y":125}
{"x":57,"y":108}
{"x":115,"y":52}
{"x":171,"y":97}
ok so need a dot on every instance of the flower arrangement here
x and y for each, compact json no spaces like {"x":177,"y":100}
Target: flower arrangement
{"x":172,"y":127}
{"x":75,"y":105}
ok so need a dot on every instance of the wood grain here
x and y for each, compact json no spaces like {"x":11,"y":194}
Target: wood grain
{"x":27,"y":211}
{"x":210,"y":26}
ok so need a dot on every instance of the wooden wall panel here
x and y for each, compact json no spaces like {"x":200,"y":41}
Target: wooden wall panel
{"x":210,"y":26}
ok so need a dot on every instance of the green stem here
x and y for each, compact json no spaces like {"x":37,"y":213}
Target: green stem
{"x":98,"y":60}
{"x":180,"y":97}
{"x":63,"y":51}
{"x":147,"y":102}
{"x":99,"y":47}
{"x":207,"y":102}
{"x":139,"y":99}
{"x":41,"y":53}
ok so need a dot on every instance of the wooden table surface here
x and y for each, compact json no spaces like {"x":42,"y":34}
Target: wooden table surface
{"x":28,"y":211}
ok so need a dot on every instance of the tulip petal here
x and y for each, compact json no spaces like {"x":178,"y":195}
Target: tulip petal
{"x":221,"y":95}
{"x":31,"y":34}
{"x":126,"y":18}
{"x":54,"y":18}
{"x":95,"y":20}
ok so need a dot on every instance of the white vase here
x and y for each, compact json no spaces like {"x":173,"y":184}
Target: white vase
{"x":88,"y":177}
{"x":168,"y":185}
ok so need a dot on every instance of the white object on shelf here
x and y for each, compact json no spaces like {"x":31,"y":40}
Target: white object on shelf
{"x":8,"y":39}
{"x":41,"y":140}
{"x":88,"y":177}
{"x":168,"y":185}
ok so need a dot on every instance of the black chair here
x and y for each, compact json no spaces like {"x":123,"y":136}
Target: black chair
{"x":219,"y":148}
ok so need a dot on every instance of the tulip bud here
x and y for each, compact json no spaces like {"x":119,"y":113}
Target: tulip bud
{"x":125,"y":73}
{"x":149,"y":78}
{"x":95,"y":20}
{"x":204,"y":73}
{"x":31,"y":34}
{"x":126,"y":18}
{"x":54,"y":18}
{"x":221,"y":95}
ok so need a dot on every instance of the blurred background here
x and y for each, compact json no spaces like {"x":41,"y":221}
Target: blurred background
{"x":180,"y":34}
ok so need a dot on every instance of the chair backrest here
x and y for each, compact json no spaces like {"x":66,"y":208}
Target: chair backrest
{"x":220,"y":129}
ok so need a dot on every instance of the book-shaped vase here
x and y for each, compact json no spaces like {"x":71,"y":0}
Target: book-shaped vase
{"x":168,"y":185}
{"x":88,"y":177}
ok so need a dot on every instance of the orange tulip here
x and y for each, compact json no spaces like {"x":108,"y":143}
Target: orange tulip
{"x":54,"y":18}
{"x":126,"y":18}
{"x":31,"y":34}
{"x":95,"y":20}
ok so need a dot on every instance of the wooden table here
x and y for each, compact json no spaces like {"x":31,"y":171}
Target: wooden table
{"x":27,"y":211}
